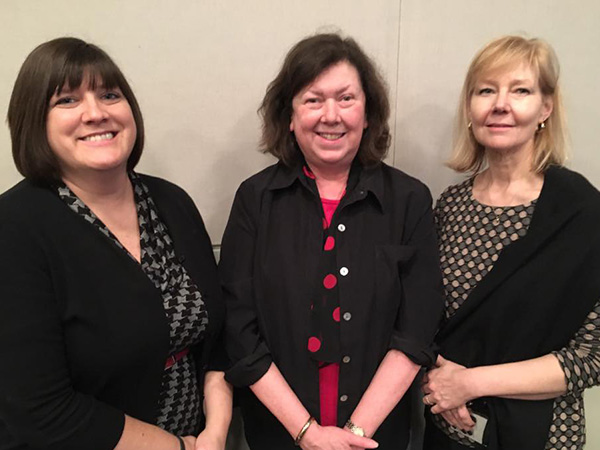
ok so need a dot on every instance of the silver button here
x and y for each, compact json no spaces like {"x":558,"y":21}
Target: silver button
{"x":344,"y":271}
{"x":341,"y":227}
{"x":343,"y":398}
{"x":346,"y":359}
{"x":347,"y":316}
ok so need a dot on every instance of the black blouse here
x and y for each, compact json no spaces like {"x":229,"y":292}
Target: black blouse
{"x":389,"y":281}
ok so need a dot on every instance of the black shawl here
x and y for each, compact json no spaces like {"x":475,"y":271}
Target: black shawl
{"x":533,"y":301}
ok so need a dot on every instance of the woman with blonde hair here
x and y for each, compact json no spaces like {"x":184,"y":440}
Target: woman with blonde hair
{"x":518,"y":343}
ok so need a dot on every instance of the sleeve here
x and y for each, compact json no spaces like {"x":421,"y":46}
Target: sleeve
{"x":422,"y":304}
{"x":246,"y":348}
{"x":38,"y":405}
{"x":580,"y":359}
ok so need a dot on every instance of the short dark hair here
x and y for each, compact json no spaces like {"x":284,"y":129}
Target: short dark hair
{"x":47,"y":70}
{"x":302,"y":65}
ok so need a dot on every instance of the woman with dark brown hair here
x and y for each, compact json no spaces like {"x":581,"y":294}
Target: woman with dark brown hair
{"x":329,"y":264}
{"x":109,"y":302}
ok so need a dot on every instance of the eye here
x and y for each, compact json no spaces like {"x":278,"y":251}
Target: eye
{"x":65,"y":100}
{"x":347,"y":98}
{"x":523,"y":91}
{"x":485,"y":91}
{"x":111,"y":96}
{"x":312,"y":100}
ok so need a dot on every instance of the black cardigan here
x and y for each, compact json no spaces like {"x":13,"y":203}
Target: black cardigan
{"x":83,"y":334}
{"x":532,"y":302}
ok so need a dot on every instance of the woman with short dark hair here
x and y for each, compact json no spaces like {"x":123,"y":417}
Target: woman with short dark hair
{"x":108,"y":295}
{"x":329,"y":263}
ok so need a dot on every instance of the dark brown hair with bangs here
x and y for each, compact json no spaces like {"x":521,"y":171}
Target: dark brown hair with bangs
{"x":51,"y":67}
{"x":302,"y":65}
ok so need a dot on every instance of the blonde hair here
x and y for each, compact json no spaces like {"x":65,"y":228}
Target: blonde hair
{"x":503,"y":53}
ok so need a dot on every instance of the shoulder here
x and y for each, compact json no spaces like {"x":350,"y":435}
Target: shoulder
{"x":567,"y":190}
{"x":454,"y":193}
{"x":398,"y":177}
{"x":161,"y":187}
{"x":398,"y":183}
{"x":27,"y":202}
{"x":570,"y":184}
{"x":263,"y":180}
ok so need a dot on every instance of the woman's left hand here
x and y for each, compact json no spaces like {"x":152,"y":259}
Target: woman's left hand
{"x":445,"y":387}
{"x":210,"y":441}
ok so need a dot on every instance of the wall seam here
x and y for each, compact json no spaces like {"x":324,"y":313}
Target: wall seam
{"x":397,"y":86}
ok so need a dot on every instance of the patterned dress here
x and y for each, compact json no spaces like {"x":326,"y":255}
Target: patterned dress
{"x":180,"y":397}
{"x":471,"y":237}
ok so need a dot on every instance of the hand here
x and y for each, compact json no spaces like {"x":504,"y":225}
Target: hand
{"x":210,"y":441}
{"x":445,"y":387}
{"x":459,"y":417}
{"x":334,"y":438}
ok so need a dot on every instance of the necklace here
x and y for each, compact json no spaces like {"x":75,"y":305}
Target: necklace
{"x":497,"y":215}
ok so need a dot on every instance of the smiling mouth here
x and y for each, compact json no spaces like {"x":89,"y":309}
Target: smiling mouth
{"x":99,"y":137}
{"x":331,"y":136}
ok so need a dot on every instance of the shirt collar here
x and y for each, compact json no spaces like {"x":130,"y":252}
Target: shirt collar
{"x":370,"y":180}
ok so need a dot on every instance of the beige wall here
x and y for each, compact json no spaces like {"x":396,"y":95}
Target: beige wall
{"x":200,"y":68}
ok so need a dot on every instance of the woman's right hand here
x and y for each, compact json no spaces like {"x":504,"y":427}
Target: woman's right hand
{"x":333,"y":438}
{"x":459,"y":418}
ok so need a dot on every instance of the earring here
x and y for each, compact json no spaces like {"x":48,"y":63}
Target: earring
{"x":469,"y":125}
{"x":541,"y":125}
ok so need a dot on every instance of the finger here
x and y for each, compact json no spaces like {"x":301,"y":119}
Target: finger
{"x":362,"y":442}
{"x":448,"y":417}
{"x":464,"y":417}
{"x":428,"y":400}
{"x":456,"y":419}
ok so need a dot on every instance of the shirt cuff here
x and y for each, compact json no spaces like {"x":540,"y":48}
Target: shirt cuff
{"x":419,"y":353}
{"x":250,"y":369}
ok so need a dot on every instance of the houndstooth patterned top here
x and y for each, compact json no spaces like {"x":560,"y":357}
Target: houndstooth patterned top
{"x":471,"y":236}
{"x":180,"y":397}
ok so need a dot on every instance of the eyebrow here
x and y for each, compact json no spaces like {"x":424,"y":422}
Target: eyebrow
{"x":516,"y":81}
{"x":320,"y":92}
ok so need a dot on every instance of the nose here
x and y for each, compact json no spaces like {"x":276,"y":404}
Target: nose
{"x":501,"y":104}
{"x":330,"y":112}
{"x":93,"y":109}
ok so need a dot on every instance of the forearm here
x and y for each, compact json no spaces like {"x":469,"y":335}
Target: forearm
{"x":275,"y":393}
{"x":393,"y":377}
{"x":218,"y":395}
{"x":138,"y":435}
{"x":534,"y":379}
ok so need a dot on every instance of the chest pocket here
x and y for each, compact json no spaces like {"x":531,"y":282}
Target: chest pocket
{"x":391,"y":262}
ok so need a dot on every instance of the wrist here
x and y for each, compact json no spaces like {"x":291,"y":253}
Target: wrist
{"x":471,"y":384}
{"x":215,"y":432}
{"x":310,"y":423}
{"x":355,"y":429}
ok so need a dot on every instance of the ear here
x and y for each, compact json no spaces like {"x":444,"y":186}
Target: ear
{"x":547,"y":107}
{"x":292,"y":122}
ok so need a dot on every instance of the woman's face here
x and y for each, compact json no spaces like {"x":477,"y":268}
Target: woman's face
{"x":506,"y":108}
{"x":90,"y":130}
{"x":328,"y":117}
